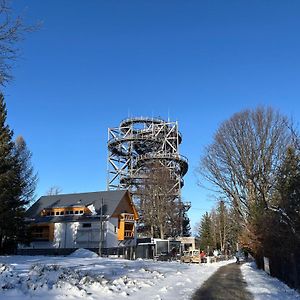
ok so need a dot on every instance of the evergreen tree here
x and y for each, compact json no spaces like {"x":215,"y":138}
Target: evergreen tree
{"x":16,"y":185}
{"x":286,"y":202}
{"x":288,"y":188}
{"x":7,"y":205}
{"x":27,"y":177}
{"x":186,"y":228}
{"x":281,"y":226}
{"x":205,"y":232}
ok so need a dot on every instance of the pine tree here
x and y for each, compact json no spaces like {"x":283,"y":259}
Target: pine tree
{"x":17,"y":184}
{"x":287,"y":197}
{"x":186,"y":227}
{"x":281,"y":227}
{"x":27,"y":177}
{"x":205,"y":232}
{"x":7,"y":176}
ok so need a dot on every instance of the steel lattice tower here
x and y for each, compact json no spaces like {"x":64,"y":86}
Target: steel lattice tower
{"x":138,"y":141}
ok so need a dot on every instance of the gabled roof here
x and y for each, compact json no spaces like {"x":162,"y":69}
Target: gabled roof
{"x":111,"y":200}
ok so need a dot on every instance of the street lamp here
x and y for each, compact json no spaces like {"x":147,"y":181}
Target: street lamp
{"x":102,"y":219}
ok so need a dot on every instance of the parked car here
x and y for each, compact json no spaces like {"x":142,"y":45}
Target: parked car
{"x":185,"y":257}
{"x":195,"y":256}
{"x":190,"y":256}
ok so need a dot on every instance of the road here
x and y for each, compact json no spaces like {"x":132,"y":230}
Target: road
{"x":226,"y":284}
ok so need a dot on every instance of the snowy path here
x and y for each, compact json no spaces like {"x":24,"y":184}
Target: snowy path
{"x":226,"y":283}
{"x":264,"y":287}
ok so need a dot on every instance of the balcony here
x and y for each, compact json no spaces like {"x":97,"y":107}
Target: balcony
{"x":128,"y":234}
{"x":126,"y":226}
{"x":128,"y":218}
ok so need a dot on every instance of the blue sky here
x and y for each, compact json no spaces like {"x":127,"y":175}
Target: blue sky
{"x":93,"y":63}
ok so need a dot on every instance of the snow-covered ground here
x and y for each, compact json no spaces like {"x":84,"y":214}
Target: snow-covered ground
{"x":84,"y":275}
{"x":264,"y":287}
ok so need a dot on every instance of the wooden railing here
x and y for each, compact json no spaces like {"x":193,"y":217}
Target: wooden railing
{"x":127,"y":217}
{"x":128,"y":234}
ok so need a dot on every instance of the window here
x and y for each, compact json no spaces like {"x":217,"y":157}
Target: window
{"x":52,"y":213}
{"x":57,"y":213}
{"x":40,"y":233}
{"x":71,"y":212}
{"x":67,"y":212}
{"x":76,"y":212}
{"x":62,"y":213}
{"x":86,"y":225}
{"x":81,"y":212}
{"x":48,"y":213}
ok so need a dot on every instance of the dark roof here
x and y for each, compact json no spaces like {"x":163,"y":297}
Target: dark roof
{"x":111,"y":199}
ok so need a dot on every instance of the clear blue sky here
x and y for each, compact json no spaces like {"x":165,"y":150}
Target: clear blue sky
{"x":94,"y":62}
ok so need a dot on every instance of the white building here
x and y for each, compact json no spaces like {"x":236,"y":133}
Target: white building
{"x":71,"y":221}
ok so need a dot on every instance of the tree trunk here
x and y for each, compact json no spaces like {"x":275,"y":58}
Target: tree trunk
{"x":162,"y":234}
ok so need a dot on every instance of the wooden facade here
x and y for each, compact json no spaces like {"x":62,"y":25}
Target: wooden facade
{"x":126,"y":226}
{"x":42,"y":232}
{"x":63,"y":211}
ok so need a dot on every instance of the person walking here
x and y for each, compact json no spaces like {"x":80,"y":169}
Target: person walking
{"x":237,"y":257}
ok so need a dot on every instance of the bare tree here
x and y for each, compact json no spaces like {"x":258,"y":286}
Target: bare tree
{"x":12,"y":30}
{"x":157,"y":202}
{"x":220,"y":221}
{"x":243,"y":160}
{"x":54,"y":190}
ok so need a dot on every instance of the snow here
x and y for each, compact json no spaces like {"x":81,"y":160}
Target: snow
{"x":92,"y":209}
{"x":264,"y":287}
{"x":83,"y":253}
{"x":84,"y":275}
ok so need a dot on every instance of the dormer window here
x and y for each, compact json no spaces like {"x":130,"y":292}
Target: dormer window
{"x":65,"y":211}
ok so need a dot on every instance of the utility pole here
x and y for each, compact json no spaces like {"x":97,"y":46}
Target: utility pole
{"x":101,"y":228}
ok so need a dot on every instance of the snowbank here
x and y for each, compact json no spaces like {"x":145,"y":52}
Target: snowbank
{"x":83,"y":253}
{"x":71,"y":277}
{"x":264,"y":287}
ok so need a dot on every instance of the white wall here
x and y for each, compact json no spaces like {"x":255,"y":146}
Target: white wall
{"x":111,"y":235}
{"x":65,"y":235}
{"x":74,"y":235}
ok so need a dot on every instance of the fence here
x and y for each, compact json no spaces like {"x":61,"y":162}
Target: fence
{"x":286,"y":268}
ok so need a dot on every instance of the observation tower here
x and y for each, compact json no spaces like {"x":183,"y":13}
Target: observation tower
{"x":138,"y":142}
